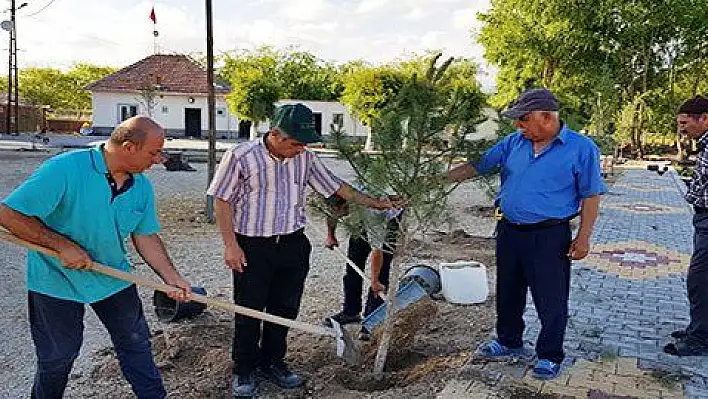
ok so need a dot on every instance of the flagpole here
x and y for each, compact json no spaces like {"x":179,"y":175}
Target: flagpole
{"x":155,"y":34}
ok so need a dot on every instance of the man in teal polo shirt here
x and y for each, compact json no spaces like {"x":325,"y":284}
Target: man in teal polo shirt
{"x":84,"y":204}
{"x":549,"y":174}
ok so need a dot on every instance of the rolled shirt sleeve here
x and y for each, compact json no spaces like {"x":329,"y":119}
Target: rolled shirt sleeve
{"x":321,"y":179}
{"x":589,"y":180}
{"x":226,"y":178}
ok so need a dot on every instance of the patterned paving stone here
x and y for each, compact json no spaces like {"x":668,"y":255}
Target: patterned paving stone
{"x":644,"y":208}
{"x":637,"y":260}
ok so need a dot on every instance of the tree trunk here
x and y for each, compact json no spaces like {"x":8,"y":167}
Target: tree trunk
{"x":549,"y":70}
{"x":639,"y":130}
{"x":384,"y":343}
{"x":253,"y":134}
{"x":369,"y":145}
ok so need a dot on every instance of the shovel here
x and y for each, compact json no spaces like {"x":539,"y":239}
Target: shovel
{"x":346,"y":348}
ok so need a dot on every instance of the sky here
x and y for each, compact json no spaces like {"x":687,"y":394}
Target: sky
{"x":59,"y":33}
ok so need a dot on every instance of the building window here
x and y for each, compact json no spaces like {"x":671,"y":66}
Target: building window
{"x":338,"y":119}
{"x":126,"y":111}
{"x":221,"y":112}
{"x":165,"y":109}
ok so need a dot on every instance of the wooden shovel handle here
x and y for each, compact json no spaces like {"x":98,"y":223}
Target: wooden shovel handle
{"x":349,"y":262}
{"x":145,"y":282}
{"x":357,"y":270}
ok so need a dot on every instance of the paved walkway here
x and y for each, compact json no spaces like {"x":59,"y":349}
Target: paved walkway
{"x":626,"y":297}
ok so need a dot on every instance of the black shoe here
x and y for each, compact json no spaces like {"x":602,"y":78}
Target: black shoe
{"x":686,"y":347}
{"x":243,"y":386}
{"x":281,"y":376}
{"x":364,"y":335}
{"x":343,"y":319}
{"x":679,"y":334}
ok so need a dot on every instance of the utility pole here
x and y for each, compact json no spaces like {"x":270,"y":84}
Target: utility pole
{"x":16,"y":85}
{"x":11,"y":71}
{"x":12,"y":113}
{"x":8,"y":108}
{"x":211,"y":110}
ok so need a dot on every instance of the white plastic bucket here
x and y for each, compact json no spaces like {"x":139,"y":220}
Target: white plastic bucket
{"x":464,"y":282}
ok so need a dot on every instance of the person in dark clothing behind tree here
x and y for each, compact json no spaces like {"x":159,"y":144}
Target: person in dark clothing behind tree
{"x":376,"y":234}
{"x":548,"y":174}
{"x":692,"y":119}
{"x":260,"y":192}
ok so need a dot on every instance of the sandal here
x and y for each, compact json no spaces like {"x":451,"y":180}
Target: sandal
{"x":546,"y":369}
{"x":494,"y":349}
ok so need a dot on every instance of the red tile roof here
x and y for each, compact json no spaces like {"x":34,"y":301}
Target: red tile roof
{"x":173,"y":73}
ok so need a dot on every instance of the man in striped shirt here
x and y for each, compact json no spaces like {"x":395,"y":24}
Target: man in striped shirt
{"x":260,"y":202}
{"x":692,"y":119}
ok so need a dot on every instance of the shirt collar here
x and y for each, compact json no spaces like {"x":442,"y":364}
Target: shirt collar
{"x":702,"y":141}
{"x":264,"y":147}
{"x":563,"y":134}
{"x":97,"y":159}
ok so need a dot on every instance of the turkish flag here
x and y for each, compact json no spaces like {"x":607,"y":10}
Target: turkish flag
{"x":152,"y":15}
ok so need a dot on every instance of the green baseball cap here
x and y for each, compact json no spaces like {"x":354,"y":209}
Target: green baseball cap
{"x":297,"y":121}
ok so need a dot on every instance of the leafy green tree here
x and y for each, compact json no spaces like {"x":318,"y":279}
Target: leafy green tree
{"x":600,"y":57}
{"x":78,"y":77}
{"x":367,"y":90}
{"x":305,"y":77}
{"x":265,"y":75}
{"x":51,"y":86}
{"x":255,"y":88}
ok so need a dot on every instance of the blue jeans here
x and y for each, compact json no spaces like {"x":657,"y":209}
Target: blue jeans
{"x":57,"y":330}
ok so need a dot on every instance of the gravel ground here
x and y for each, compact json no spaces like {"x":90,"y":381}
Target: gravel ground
{"x":197,"y":251}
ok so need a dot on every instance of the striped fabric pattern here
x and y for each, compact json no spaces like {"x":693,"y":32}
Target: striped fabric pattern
{"x":268,"y":195}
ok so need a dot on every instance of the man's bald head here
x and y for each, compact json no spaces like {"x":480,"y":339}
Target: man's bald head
{"x":136,"y":130}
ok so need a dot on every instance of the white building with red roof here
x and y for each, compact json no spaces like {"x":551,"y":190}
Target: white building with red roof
{"x":172,"y":89}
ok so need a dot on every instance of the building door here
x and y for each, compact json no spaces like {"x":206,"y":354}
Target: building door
{"x":244,"y":129}
{"x":193,"y":122}
{"x":318,"y":122}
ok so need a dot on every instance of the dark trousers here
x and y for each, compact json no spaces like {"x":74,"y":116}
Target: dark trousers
{"x":272,"y":281}
{"x":57,"y":330}
{"x":535,"y":259}
{"x":358,"y":252}
{"x":697,"y":280}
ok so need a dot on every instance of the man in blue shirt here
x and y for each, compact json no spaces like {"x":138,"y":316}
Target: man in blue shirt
{"x":549,"y":174}
{"x":84,"y":204}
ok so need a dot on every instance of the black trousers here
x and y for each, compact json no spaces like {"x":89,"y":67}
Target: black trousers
{"x":538,"y":260}
{"x":697,"y":280}
{"x":359,"y":251}
{"x":272,"y":281}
